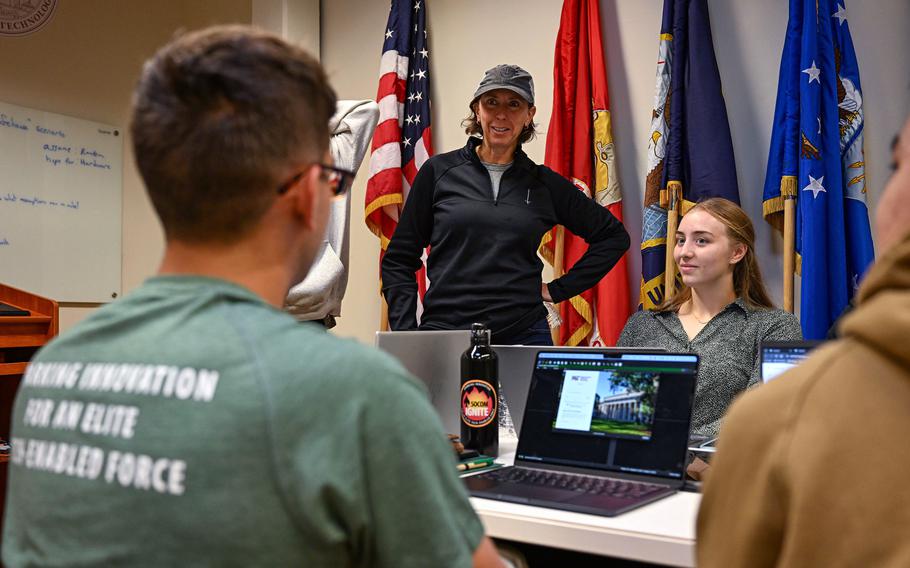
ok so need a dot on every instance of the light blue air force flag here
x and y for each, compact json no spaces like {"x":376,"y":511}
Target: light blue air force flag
{"x":817,"y":154}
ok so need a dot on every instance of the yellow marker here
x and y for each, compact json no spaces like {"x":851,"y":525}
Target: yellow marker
{"x":475,"y":464}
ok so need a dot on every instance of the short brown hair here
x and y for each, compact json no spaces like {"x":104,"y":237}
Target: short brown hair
{"x":472,"y":125}
{"x":218,"y":114}
{"x":747,"y":279}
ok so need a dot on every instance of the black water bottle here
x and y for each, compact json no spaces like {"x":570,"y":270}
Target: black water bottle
{"x":480,"y":394}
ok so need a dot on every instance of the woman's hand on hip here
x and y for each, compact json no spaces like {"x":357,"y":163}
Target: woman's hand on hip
{"x":545,"y":292}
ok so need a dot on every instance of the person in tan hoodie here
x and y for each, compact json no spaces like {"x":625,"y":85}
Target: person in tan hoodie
{"x":812,"y":469}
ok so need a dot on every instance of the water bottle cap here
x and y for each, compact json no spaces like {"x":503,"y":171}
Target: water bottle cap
{"x":480,"y":333}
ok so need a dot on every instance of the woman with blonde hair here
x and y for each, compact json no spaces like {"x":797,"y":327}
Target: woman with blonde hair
{"x":722,"y":312}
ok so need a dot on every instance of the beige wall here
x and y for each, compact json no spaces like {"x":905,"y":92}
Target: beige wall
{"x":468,"y":36}
{"x":294,"y":20}
{"x":84,"y":63}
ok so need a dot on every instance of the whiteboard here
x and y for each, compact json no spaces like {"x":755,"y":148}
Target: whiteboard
{"x":60,"y":205}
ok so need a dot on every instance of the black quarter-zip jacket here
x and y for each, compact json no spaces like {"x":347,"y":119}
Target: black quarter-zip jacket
{"x":483,"y":264}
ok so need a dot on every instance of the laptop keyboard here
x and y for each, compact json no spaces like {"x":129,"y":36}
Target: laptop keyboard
{"x":618,"y":488}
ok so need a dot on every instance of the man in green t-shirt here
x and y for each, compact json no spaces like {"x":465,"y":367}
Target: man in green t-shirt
{"x":193,"y":422}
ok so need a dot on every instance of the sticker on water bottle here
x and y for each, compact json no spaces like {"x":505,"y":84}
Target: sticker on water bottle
{"x":478,"y":403}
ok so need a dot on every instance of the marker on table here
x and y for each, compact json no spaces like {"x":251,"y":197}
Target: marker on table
{"x":475,"y":464}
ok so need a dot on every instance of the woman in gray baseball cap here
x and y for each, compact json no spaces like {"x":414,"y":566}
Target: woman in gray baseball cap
{"x":482,"y":210}
{"x":504,"y":103}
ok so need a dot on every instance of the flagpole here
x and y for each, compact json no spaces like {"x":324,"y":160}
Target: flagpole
{"x":674,"y":190}
{"x":788,"y":193}
{"x":559,"y":268}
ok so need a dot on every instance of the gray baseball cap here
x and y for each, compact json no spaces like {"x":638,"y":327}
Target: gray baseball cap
{"x":511,"y":77}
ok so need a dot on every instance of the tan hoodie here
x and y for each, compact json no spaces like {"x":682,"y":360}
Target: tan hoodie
{"x":814,"y":468}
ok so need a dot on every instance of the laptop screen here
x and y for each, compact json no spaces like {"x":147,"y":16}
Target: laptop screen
{"x":778,"y":357}
{"x":625,"y":412}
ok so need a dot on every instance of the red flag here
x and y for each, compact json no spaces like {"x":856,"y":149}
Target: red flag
{"x":580,"y":147}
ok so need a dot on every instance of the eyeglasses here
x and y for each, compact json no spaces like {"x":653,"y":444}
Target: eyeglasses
{"x":340,"y":180}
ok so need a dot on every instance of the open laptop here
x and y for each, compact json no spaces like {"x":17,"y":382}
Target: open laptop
{"x":434,"y":357}
{"x":604,"y":431}
{"x":775,"y":357}
{"x":780,"y":356}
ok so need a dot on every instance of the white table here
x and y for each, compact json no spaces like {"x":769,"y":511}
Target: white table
{"x":662,"y":532}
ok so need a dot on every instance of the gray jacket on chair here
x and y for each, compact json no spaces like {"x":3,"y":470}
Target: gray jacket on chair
{"x":318,"y":296}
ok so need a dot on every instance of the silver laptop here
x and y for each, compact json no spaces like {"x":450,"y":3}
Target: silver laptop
{"x":434,"y":357}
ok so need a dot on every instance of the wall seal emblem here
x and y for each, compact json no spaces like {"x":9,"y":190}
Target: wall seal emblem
{"x":22,"y":17}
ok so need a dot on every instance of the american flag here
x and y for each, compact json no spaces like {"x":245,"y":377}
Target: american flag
{"x":403,"y":138}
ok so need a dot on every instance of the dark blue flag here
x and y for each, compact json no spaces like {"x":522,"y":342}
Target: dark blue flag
{"x":690,"y":150}
{"x":816,"y":157}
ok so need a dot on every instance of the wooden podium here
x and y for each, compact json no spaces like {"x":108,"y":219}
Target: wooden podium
{"x":20,"y":337}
